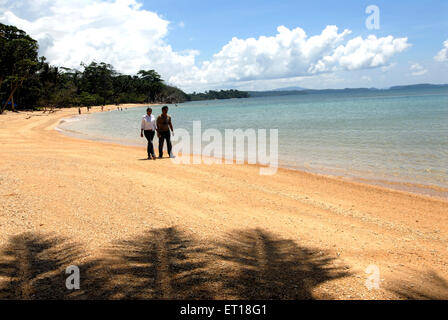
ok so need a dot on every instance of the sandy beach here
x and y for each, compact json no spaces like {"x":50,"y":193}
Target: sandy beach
{"x":159,"y":230}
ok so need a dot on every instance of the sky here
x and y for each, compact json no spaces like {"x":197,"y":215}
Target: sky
{"x":246,"y":45}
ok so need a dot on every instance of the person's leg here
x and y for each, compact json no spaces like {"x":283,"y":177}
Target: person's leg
{"x":151,"y":149}
{"x":148,"y":137}
{"x":168,"y":143}
{"x":161,"y":145}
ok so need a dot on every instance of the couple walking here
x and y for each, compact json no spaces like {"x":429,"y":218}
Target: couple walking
{"x":162,"y":126}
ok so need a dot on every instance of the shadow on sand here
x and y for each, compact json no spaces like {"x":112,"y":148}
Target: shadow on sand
{"x":416,"y":285}
{"x":32,"y":264}
{"x":166,"y":264}
{"x":266,"y":267}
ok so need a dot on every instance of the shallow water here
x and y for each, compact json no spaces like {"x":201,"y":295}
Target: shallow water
{"x":398,"y":136}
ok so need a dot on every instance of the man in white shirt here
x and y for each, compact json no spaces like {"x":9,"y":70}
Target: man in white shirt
{"x":149,"y":128}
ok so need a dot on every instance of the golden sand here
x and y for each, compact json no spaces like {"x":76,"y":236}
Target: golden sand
{"x":155,"y":229}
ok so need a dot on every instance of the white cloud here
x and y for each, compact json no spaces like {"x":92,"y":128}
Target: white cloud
{"x":361,"y":53}
{"x":118,"y":32}
{"x":418,"y":70}
{"x":388,"y":67}
{"x":442,"y":56}
{"x":291,"y":53}
{"x":122,"y":33}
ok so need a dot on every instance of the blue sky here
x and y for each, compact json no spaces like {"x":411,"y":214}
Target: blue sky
{"x":211,"y":24}
{"x":200,"y":45}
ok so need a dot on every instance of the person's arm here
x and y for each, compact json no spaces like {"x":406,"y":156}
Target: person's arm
{"x":171,"y":127}
{"x":142,"y":127}
{"x":157,"y":127}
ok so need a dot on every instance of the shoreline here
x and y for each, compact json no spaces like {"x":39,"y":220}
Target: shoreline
{"x":427,"y":190}
{"x":312,"y":236}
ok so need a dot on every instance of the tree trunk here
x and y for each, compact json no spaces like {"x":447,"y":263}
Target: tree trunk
{"x":4,"y":106}
{"x":9,"y":99}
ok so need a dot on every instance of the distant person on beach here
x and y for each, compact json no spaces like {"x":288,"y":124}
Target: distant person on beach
{"x":163,"y":131}
{"x":148,"y":130}
{"x":79,"y":110}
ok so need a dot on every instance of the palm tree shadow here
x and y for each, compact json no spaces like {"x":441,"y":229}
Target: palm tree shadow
{"x":165,"y":264}
{"x":162,"y":264}
{"x":417,"y":286}
{"x":265,"y":267}
{"x":33,"y":267}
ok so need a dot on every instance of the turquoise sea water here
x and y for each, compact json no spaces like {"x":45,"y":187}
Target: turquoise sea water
{"x":397,"y":136}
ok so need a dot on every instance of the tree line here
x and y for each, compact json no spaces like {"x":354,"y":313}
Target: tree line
{"x":223,"y":94}
{"x":28,"y":81}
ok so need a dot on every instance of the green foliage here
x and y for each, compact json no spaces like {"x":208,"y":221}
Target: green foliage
{"x":18,"y":62}
{"x":87,"y":99}
{"x":30,"y":82}
{"x":34,"y":83}
{"x":223,"y":94}
{"x":97,"y":79}
{"x":173,"y":95}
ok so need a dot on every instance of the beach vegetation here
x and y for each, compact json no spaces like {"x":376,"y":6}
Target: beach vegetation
{"x":28,"y":81}
{"x":18,"y":62}
{"x":222,"y":94}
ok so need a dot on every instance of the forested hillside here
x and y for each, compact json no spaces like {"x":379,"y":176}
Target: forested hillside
{"x":29,"y":81}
